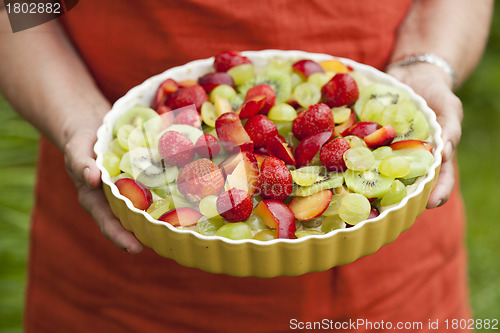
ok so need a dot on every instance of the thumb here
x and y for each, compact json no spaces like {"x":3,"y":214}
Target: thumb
{"x":80,"y":160}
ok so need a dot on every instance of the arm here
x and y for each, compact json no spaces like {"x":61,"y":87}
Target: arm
{"x":456,"y":30}
{"x":46,"y":82}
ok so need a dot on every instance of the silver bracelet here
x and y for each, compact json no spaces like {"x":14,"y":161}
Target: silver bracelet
{"x":429,"y":58}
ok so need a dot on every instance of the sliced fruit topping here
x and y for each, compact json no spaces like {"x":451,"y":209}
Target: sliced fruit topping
{"x":334,"y":66}
{"x":324,"y":181}
{"x":211,"y":80}
{"x":138,"y":194}
{"x":135,"y":116}
{"x":241,"y":73}
{"x":235,"y":205}
{"x":403,"y":144}
{"x":277,"y":215}
{"x":310,"y":147}
{"x":265,"y":235}
{"x":181,"y":217}
{"x":282,"y":112}
{"x":207,"y":146}
{"x":175,"y":148}
{"x":342,"y":128}
{"x":395,"y":194}
{"x":332,"y":154}
{"x":359,"y":158}
{"x":354,"y":208}
{"x":199,"y":179}
{"x":369,"y":183}
{"x":310,"y":207}
{"x":188,"y":116}
{"x":317,"y":118}
{"x":160,"y":207}
{"x":263,"y":90}
{"x":245,"y":176}
{"x":279,"y":81}
{"x":231,"y":133}
{"x":307,"y":94}
{"x":163,"y":94}
{"x":277,"y":147}
{"x":251,"y":107}
{"x":275,"y":180}
{"x":420,"y":160}
{"x":381,"y":137}
{"x":306,"y":176}
{"x":235,"y":231}
{"x":189,"y":95}
{"x":229,"y":59}
{"x":341,"y":114}
{"x":111,"y":162}
{"x":382,"y":93}
{"x":209,"y":227}
{"x":394,"y":166}
{"x":208,"y":206}
{"x":363,"y":128}
{"x":306,"y":67}
{"x":331,"y":223}
{"x":340,"y":90}
{"x":260,"y":129}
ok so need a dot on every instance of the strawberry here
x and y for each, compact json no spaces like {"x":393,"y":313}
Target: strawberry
{"x":228,"y":59}
{"x":332,"y":154}
{"x":275,"y":180}
{"x":207,"y":146}
{"x":175,"y":148}
{"x":188,"y":116}
{"x":235,"y":205}
{"x":260,"y":129}
{"x":263,"y":90}
{"x":340,"y":90}
{"x":317,"y":118}
{"x":185,"y":96}
{"x":200,"y":178}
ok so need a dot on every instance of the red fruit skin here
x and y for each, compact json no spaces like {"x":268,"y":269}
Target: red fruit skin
{"x":363,"y":128}
{"x":309,"y":147}
{"x":175,"y":148}
{"x":188,"y":115}
{"x":263,"y":90}
{"x":381,"y":137}
{"x":189,"y":95}
{"x":235,"y":205}
{"x":340,"y":90}
{"x":317,"y":118}
{"x":138,"y":194}
{"x":260,"y":129}
{"x":278,"y":147}
{"x":275,"y":180}
{"x":164,"y":93}
{"x":307,"y":67}
{"x":183,"y":216}
{"x":228,"y":59}
{"x":342,"y":128}
{"x":403,"y":144}
{"x":232,"y":134}
{"x":332,"y":154}
{"x":200,"y":178}
{"x":310,"y":207}
{"x":251,"y":107}
{"x":373,"y":213}
{"x":207,"y":146}
{"x":211,"y":80}
{"x":229,"y":164}
{"x":277,"y":215}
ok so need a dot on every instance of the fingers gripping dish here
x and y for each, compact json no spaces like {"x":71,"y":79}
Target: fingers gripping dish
{"x":235,"y":163}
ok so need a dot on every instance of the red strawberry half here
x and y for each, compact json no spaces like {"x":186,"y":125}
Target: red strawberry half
{"x":332,"y":154}
{"x":235,"y":205}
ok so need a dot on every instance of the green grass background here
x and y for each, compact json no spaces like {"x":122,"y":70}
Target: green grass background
{"x":479,"y":160}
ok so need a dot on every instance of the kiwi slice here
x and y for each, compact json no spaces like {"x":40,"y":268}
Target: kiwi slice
{"x":418,"y":129}
{"x":135,"y":116}
{"x":369,"y":183}
{"x":420,"y":161}
{"x":324,"y":181}
{"x":281,"y":83}
{"x":384,"y":94}
{"x":145,"y":165}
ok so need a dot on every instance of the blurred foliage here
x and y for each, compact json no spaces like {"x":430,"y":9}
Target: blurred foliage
{"x":479,"y":161}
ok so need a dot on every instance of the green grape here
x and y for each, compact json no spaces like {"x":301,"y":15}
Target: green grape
{"x":162,"y":191}
{"x":160,"y":207}
{"x":284,"y":127}
{"x":282,"y":112}
{"x":359,"y":158}
{"x":331,"y":223}
{"x":120,"y":176}
{"x":123,"y":134}
{"x":314,"y":223}
{"x":116,"y":149}
{"x":355,"y":141}
{"x":396,"y":193}
{"x":241,"y":73}
{"x":333,"y":208}
{"x":399,"y":116}
{"x":341,"y":114}
{"x":304,"y":233}
{"x":222,"y":90}
{"x":111,"y":162}
{"x":382,"y":152}
{"x":296,"y":79}
{"x":235,"y":231}
{"x":280,"y":64}
{"x":265,"y":235}
{"x":307,"y":94}
{"x":208,"y":206}
{"x":372,"y":111}
{"x":394,"y":166}
{"x":256,"y":223}
{"x":209,"y":227}
{"x":306,"y":176}
{"x":208,"y":114}
{"x":319,"y":79}
{"x":354,"y":208}
{"x":137,"y":139}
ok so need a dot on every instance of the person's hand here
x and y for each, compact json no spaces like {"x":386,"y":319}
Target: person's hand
{"x":81,"y":165}
{"x":434,"y":85}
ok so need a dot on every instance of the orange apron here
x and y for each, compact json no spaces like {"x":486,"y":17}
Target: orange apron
{"x":80,"y":282}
